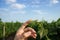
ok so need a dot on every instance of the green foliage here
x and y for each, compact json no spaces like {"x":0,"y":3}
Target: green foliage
{"x":44,"y":30}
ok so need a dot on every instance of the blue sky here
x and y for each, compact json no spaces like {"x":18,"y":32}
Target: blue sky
{"x":23,"y":10}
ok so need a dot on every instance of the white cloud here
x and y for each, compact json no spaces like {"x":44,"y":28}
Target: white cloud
{"x":3,"y":9}
{"x":55,"y":1}
{"x":10,"y":1}
{"x":39,"y":12}
{"x":36,"y":2}
{"x":17,"y":6}
{"x":6,"y":11}
{"x":19,"y":12}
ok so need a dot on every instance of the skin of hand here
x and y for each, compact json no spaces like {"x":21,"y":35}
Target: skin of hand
{"x":23,"y":33}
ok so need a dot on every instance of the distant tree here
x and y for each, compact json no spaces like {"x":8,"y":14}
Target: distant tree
{"x":1,"y":28}
{"x":0,"y":20}
{"x":44,"y":30}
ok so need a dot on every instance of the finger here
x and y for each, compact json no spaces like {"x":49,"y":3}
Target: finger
{"x":25,"y":24}
{"x":33,"y":35}
{"x":30,"y":29}
{"x":27,"y":34}
{"x":20,"y":30}
{"x":33,"y":32}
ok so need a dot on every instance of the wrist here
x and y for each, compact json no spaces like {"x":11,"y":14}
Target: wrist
{"x":19,"y":37}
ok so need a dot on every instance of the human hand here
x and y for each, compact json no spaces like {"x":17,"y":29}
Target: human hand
{"x":23,"y":33}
